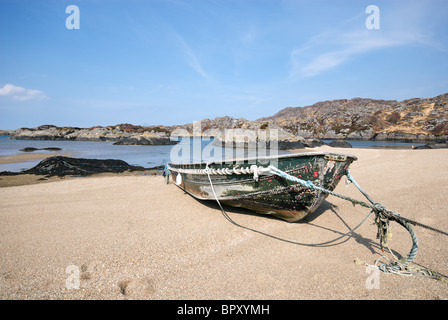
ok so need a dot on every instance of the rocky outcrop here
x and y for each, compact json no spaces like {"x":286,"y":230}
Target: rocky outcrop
{"x":412,"y":120}
{"x":61,"y":166}
{"x":340,"y":144}
{"x":368,"y":119}
{"x":122,"y":134}
{"x":143,"y":140}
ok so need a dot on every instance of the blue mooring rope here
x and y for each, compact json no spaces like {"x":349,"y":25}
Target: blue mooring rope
{"x":166,"y":173}
{"x":382,"y":217}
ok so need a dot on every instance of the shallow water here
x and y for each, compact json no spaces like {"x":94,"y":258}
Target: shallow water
{"x":146,"y":156}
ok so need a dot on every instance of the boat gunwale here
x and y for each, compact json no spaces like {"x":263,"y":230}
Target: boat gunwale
{"x":292,"y":155}
{"x":263,"y":176}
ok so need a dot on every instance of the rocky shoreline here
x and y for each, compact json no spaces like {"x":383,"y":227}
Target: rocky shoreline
{"x":415,"y":120}
{"x":280,"y":144}
{"x":120,"y":134}
{"x":285,"y":140}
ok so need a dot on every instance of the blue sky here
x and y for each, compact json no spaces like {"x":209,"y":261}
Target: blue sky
{"x":177,"y":61}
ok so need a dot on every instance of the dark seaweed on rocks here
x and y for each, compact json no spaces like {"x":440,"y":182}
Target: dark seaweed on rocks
{"x":61,"y":166}
{"x":340,"y":144}
{"x":440,"y":145}
{"x":31,"y":149}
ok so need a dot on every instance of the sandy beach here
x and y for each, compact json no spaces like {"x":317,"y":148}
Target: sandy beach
{"x":22,"y":157}
{"x":131,"y":236}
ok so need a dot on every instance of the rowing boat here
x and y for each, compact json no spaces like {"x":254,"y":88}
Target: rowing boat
{"x":250,"y":183}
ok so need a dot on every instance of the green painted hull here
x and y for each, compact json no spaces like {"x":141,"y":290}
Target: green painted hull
{"x":267,"y":194}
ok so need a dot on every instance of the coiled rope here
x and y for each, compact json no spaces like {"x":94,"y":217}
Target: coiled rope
{"x":383,"y":216}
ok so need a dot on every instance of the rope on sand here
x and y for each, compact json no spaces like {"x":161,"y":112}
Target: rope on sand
{"x":382,"y":218}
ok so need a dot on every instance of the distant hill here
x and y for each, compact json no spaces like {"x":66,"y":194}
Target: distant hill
{"x":413,"y":119}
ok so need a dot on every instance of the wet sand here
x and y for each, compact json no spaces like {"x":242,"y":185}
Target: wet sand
{"x":128,"y":236}
{"x":22,"y":157}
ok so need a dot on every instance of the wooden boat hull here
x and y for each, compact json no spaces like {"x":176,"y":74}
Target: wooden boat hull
{"x":268,"y":193}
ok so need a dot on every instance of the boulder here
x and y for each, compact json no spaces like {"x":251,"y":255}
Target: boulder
{"x":437,"y":145}
{"x":312,"y":143}
{"x":61,"y":166}
{"x":145,"y":141}
{"x":29,"y":149}
{"x":291,"y":144}
{"x":340,"y":144}
{"x":425,"y":146}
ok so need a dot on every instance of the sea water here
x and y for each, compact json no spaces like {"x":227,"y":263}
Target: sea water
{"x":145,"y":156}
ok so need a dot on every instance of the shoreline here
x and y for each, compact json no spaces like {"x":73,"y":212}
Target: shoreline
{"x":25,"y":157}
{"x":9,"y":178}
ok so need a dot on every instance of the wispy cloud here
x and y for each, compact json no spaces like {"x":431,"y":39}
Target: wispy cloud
{"x":335,"y":47}
{"x":346,"y":47}
{"x":190,"y":56}
{"x":180,"y":44}
{"x":21,"y":94}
